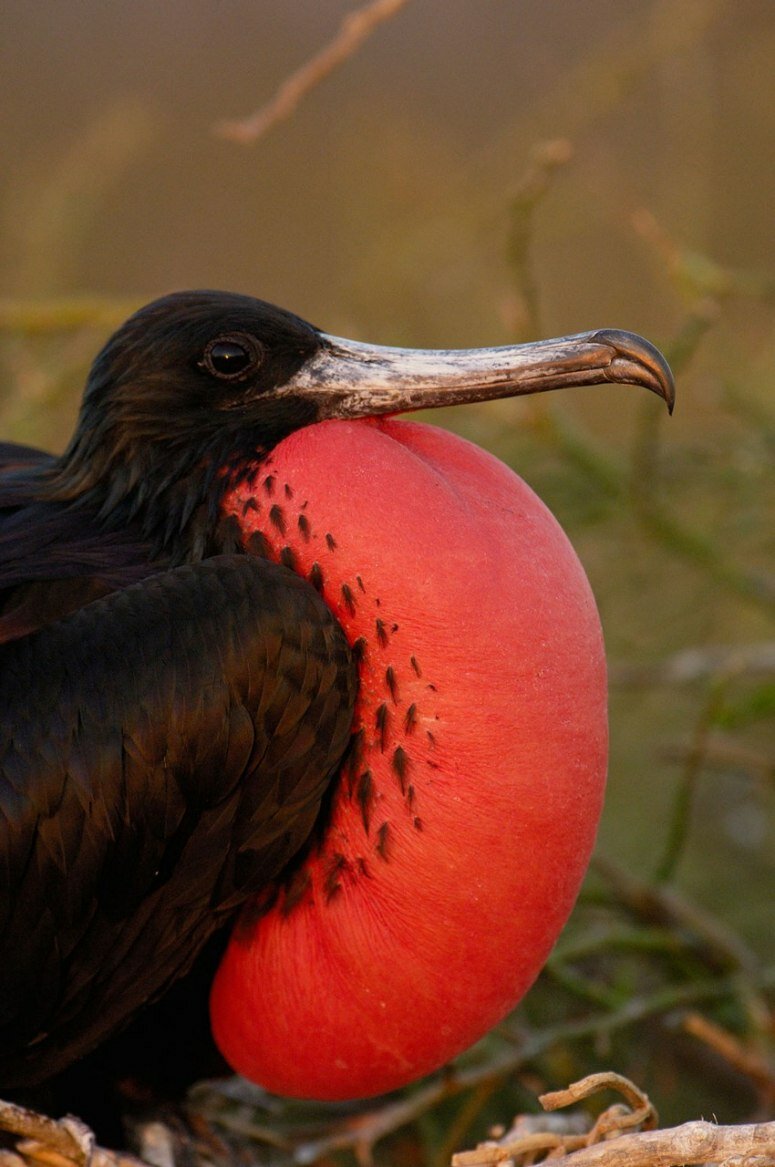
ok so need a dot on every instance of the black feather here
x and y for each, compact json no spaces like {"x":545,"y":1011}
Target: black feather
{"x":172,"y":713}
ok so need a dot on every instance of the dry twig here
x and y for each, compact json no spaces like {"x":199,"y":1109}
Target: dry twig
{"x":545,"y":159}
{"x":355,"y":29}
{"x":612,"y":1141}
{"x":747,"y":1061}
{"x":45,"y":1142}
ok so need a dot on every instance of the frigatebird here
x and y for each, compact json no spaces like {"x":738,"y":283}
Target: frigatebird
{"x":266,"y":649}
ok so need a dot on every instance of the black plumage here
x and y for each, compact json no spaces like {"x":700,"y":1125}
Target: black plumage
{"x":169,"y":748}
{"x":173,"y":709}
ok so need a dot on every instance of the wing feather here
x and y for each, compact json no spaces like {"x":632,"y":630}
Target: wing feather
{"x":163,"y":755}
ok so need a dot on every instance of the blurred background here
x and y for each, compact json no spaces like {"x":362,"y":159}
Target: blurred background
{"x":479,"y":172}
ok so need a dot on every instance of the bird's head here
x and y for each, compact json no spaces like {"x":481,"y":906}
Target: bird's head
{"x":180,"y":396}
{"x":195,"y":388}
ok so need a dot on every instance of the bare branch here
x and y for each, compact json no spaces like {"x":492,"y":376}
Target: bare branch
{"x":697,"y":276}
{"x":747,"y":1061}
{"x":641,"y":1111}
{"x":609,"y":1142}
{"x":354,"y":30}
{"x":545,"y":159}
{"x":44,"y":1142}
{"x":722,"y":949}
{"x":693,"y":1143}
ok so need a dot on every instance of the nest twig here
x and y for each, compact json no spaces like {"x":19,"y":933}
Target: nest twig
{"x":624,"y":1135}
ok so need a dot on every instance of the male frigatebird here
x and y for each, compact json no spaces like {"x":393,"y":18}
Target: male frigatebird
{"x":263,"y":646}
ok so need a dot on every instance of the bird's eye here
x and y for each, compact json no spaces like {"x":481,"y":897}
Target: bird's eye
{"x":232,"y":357}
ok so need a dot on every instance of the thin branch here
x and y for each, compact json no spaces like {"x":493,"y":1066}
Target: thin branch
{"x":692,"y":1143}
{"x":748,"y":1062}
{"x":43,"y":1140}
{"x":722,"y":949}
{"x":698,"y":277}
{"x":610,"y":1141}
{"x":683,"y":799}
{"x":723,"y":755}
{"x":641,"y":1111}
{"x":354,"y":30}
{"x":545,"y":159}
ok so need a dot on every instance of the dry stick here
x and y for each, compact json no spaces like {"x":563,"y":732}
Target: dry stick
{"x":458,"y":1129}
{"x":696,"y":275}
{"x":354,"y":30}
{"x":724,"y":755}
{"x":517,"y":1143}
{"x":609,"y":1142}
{"x":722,"y":949}
{"x":748,"y":1062}
{"x":684,"y":795}
{"x":545,"y":159}
{"x":693,"y":1143}
{"x":640,"y":1110}
{"x":45,"y":1140}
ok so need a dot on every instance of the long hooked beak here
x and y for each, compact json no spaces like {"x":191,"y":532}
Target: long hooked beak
{"x":348,"y":379}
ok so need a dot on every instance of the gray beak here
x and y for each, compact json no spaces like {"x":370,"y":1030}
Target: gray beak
{"x":348,"y":379}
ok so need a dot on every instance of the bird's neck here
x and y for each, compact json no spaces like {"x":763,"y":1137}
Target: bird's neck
{"x":174,"y":510}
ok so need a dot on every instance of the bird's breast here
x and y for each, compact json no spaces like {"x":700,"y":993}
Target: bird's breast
{"x":466,"y":810}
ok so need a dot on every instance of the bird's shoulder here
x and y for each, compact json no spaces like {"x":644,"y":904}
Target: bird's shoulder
{"x":54,"y":557}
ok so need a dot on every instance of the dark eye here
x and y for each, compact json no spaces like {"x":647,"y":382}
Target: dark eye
{"x":231,"y":357}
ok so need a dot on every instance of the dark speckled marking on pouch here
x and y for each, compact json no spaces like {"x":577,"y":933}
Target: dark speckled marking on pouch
{"x":381,"y":719}
{"x":316,"y":576}
{"x":400,"y":763}
{"x":415,"y":666}
{"x":410,"y":719}
{"x":304,"y":528}
{"x":383,"y":835}
{"x":392,"y":683}
{"x":269,"y":484}
{"x":277,"y":518}
{"x":348,"y":598}
{"x":381,"y":632}
{"x":332,"y":883}
{"x":331,"y":541}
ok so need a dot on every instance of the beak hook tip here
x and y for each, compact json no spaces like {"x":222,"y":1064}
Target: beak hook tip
{"x":658,"y":375}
